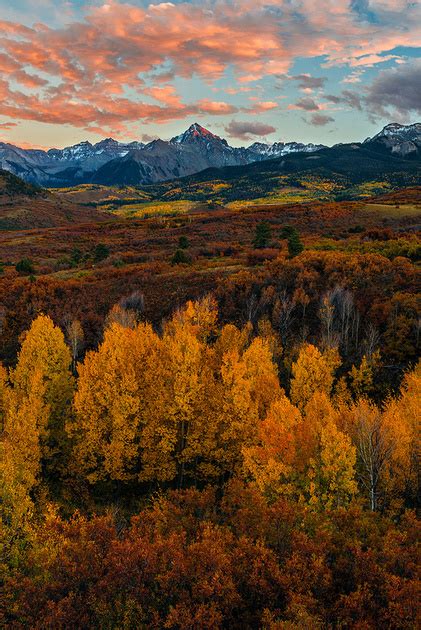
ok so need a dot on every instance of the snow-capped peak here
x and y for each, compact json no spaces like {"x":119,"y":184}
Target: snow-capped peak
{"x":278,"y":149}
{"x":195,"y":132}
{"x":395,"y":130}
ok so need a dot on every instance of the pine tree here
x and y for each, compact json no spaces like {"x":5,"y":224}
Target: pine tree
{"x":263,"y":235}
{"x":295,"y":246}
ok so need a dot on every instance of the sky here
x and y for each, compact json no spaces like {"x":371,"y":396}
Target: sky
{"x":249,"y":70}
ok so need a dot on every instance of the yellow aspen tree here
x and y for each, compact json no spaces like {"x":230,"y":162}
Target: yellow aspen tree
{"x":247,"y":384}
{"x":316,"y":414}
{"x":114,"y":390}
{"x":334,"y":468}
{"x":374,"y":443}
{"x":44,"y":351}
{"x":201,"y":423}
{"x":200,"y":315}
{"x":271,"y":463}
{"x":75,"y":336}
{"x":119,"y":315}
{"x":230,"y":338}
{"x":262,"y":374}
{"x":342,"y":396}
{"x":25,"y":424}
{"x":362,"y":377}
{"x":267,"y":332}
{"x":181,"y":441}
{"x":388,"y":445}
{"x":239,"y":415}
{"x":204,"y":440}
{"x":401,"y":420}
{"x":327,"y":454}
{"x":3,"y":393}
{"x":171,"y":446}
{"x":312,"y":372}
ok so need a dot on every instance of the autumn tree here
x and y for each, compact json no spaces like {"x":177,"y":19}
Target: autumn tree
{"x":332,"y":465}
{"x":401,"y":420}
{"x":327,"y":318}
{"x":267,"y":333}
{"x":116,"y":393}
{"x":361,"y":377}
{"x":26,"y":417}
{"x":174,"y":407}
{"x":173,"y":440}
{"x":140,"y":400}
{"x":271,"y":461}
{"x":134,"y":302}
{"x":312,"y":371}
{"x":119,"y":315}
{"x":200,"y":316}
{"x":45,"y":353}
{"x":374,"y":444}
{"x":283,"y":315}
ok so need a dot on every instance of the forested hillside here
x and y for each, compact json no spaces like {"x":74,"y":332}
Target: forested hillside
{"x":209,"y":413}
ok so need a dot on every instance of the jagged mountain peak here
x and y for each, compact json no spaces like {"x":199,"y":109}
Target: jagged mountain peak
{"x":196,"y":132}
{"x":278,"y":149}
{"x":400,"y":140}
{"x":399,"y":131}
{"x":83,"y":143}
{"x":398,"y":126}
{"x":107,"y":142}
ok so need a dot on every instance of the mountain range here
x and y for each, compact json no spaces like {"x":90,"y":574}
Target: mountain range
{"x":197,"y":149}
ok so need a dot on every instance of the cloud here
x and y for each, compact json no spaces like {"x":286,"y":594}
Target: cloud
{"x":306,"y":103}
{"x":215,"y":107}
{"x":246,"y":130}
{"x":262,"y":106}
{"x":320,"y":120}
{"x":102,"y":70}
{"x":148,"y":138}
{"x":354,"y":77}
{"x":396,"y":91}
{"x":371,"y":60}
{"x":8,"y":125}
{"x":347,"y":97}
{"x":305,"y":81}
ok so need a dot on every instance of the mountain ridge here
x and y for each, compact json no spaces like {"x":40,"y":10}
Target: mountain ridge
{"x":197,"y":149}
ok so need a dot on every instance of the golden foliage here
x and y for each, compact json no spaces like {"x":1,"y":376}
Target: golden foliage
{"x":45,"y":352}
{"x":312,"y":372}
{"x":271,"y":462}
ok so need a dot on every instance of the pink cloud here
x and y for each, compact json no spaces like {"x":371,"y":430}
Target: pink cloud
{"x":215,"y":107}
{"x":8,"y":125}
{"x":96,"y":73}
{"x":262,"y":106}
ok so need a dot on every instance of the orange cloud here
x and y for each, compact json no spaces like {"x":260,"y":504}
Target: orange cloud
{"x":93,"y":73}
{"x":263,"y":106}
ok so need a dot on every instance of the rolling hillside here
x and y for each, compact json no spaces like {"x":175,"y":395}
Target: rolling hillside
{"x":25,"y":206}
